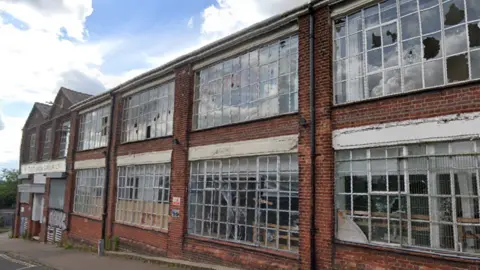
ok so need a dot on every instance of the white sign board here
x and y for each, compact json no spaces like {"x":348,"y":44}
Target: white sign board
{"x":44,"y":167}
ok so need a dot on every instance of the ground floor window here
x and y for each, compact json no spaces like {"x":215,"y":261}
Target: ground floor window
{"x":89,"y":192}
{"x":251,"y":200}
{"x":143,"y":195}
{"x":419,"y":195}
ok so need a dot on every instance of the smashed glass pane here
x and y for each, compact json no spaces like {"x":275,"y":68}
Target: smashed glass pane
{"x":390,"y":34}
{"x":340,"y":28}
{"x":432,"y":46}
{"x":474,"y":35}
{"x":374,"y":38}
{"x":457,"y":68}
{"x":454,"y":12}
{"x":412,"y":51}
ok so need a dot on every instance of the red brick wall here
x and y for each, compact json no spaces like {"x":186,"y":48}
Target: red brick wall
{"x":361,"y":257}
{"x":85,"y":228}
{"x":90,"y":154}
{"x":158,"y":144}
{"x":142,"y":240}
{"x":237,"y":255}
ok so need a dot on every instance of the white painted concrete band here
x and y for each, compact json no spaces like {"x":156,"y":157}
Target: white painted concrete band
{"x":145,"y":158}
{"x":244,"y":48}
{"x":443,"y":128}
{"x":267,"y":146}
{"x":44,"y":167}
{"x":90,"y":163}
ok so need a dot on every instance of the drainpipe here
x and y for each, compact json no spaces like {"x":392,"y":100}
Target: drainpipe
{"x":101,"y":243}
{"x":313,"y":151}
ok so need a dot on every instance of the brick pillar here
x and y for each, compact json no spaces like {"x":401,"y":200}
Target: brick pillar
{"x":31,"y":223}
{"x":112,"y":192}
{"x":16,"y":221}
{"x":70,"y":186}
{"x":44,"y":225}
{"x":304,"y":149}
{"x":179,"y":180}
{"x":324,"y":208}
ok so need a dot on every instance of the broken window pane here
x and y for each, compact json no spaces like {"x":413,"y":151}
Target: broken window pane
{"x":412,"y":51}
{"x":457,"y":68}
{"x":475,"y":60}
{"x":374,"y":38}
{"x":412,"y":77}
{"x":454,"y":12}
{"x":340,"y":28}
{"x":474,"y":35}
{"x":455,"y":40}
{"x":390,"y":34}
{"x":432,"y":46}
{"x":430,"y":20}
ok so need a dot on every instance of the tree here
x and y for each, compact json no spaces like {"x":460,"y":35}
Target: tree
{"x":8,"y":188}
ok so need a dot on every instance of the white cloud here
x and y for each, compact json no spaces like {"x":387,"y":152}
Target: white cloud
{"x":190,"y":23}
{"x":10,"y":138}
{"x":229,"y":16}
{"x":2,"y":124}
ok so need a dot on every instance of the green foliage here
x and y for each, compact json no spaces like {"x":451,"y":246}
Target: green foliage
{"x":8,"y":188}
{"x":108,"y":243}
{"x":115,"y":243}
{"x":67,"y":244}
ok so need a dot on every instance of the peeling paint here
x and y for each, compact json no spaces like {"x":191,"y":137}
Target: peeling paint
{"x":448,"y":127}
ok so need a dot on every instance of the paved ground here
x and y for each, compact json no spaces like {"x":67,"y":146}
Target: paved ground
{"x":10,"y":263}
{"x":19,"y":254}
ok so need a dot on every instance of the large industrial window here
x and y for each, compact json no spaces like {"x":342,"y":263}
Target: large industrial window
{"x":143,"y":195}
{"x":33,"y":148}
{"x":421,"y":195}
{"x":64,"y":136}
{"x":257,"y":84}
{"x":250,"y":200}
{"x":47,"y":141}
{"x":399,"y":46}
{"x":148,"y":114}
{"x":57,"y":194}
{"x":94,"y":129}
{"x":89,"y":192}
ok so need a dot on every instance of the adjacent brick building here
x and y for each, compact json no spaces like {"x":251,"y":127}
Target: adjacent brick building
{"x":210,"y":157}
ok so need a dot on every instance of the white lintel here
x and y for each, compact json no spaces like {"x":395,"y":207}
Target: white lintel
{"x":90,"y":163}
{"x":145,"y":158}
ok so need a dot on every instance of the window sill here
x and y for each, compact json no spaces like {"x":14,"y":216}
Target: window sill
{"x":86,"y":216}
{"x":428,"y":253}
{"x":245,"y":122}
{"x":403,"y":94}
{"x":144,"y":228}
{"x":285,"y":254}
{"x":147,"y":140}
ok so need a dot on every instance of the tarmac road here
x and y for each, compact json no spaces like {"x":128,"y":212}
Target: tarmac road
{"x":9,"y":263}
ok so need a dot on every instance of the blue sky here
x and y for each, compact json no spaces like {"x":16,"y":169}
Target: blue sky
{"x":93,"y":45}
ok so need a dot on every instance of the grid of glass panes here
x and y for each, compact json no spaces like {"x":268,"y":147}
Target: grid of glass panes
{"x":421,"y":195}
{"x":94,"y":129}
{"x":251,"y":200}
{"x":148,"y":114}
{"x":47,"y":140}
{"x":397,"y":46}
{"x":257,"y":84}
{"x":33,"y":148}
{"x":143,"y":195}
{"x":89,"y":192}
{"x":64,"y":137}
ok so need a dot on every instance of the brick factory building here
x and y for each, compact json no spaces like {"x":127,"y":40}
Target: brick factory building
{"x":215,"y":156}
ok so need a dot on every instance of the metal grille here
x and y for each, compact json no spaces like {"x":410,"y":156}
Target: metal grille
{"x":257,"y":84}
{"x":89,"y":192}
{"x":58,"y":235}
{"x":93,"y":129}
{"x":252,"y":200}
{"x":148,"y":114}
{"x":423,"y":196}
{"x":50,"y":234}
{"x":404,"y":45}
{"x":143,"y":195}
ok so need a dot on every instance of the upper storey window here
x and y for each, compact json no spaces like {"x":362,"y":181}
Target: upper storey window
{"x":256,"y":84}
{"x":399,"y":46}
{"x":94,"y":128}
{"x":148,"y":114}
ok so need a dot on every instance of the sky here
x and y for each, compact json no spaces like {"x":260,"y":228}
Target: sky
{"x":94,"y":45}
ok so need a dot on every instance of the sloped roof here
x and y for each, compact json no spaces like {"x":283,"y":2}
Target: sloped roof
{"x":44,"y":109}
{"x":74,"y":96}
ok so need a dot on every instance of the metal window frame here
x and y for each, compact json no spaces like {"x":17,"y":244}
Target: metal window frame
{"x":402,"y":65}
{"x":243,"y":175}
{"x":156,"y":178}
{"x":92,"y":128}
{"x":249,"y":109}
{"x":88,"y":184}
{"x":47,"y":141}
{"x":163,"y":94}
{"x":33,"y":148}
{"x":454,"y":167}
{"x":64,"y":139}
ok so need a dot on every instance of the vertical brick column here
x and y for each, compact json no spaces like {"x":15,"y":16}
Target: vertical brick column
{"x":112,"y":192}
{"x":31,"y":223}
{"x":324,"y":197}
{"x":70,"y":186}
{"x":179,"y":175}
{"x":44,"y":225}
{"x":16,"y":221}
{"x":304,"y":149}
